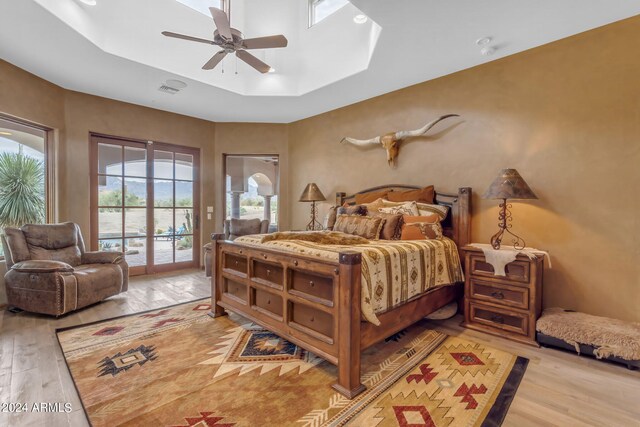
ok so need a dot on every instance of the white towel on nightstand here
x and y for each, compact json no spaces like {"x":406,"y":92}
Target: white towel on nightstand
{"x":501,"y":257}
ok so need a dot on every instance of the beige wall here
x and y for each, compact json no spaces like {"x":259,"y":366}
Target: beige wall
{"x":566,"y":115}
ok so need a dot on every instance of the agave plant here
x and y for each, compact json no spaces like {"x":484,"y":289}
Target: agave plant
{"x":21,"y":190}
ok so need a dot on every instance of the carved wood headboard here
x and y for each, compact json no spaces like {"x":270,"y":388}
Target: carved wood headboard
{"x":457,"y":225}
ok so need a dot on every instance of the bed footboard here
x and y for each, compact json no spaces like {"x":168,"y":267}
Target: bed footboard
{"x":310,"y":302}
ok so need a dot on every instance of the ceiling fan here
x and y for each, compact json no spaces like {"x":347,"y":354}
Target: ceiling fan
{"x":232,"y":40}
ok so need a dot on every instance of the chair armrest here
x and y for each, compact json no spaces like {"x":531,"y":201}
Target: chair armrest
{"x":42,"y":266}
{"x":218,"y":236}
{"x":101,"y":257}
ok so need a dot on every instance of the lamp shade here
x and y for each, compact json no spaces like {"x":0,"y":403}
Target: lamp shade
{"x":509,"y":185}
{"x":312,"y":193}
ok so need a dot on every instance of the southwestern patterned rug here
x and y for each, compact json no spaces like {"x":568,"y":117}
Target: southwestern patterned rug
{"x":176,"y":366}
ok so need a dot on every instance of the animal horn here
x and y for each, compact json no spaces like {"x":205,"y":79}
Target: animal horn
{"x":411,"y":133}
{"x":362,"y":142}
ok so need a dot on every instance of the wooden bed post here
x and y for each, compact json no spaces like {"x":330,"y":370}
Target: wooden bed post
{"x":216,"y":277}
{"x":349,"y":319}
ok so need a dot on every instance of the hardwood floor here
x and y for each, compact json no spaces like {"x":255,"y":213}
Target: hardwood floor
{"x":558,"y":389}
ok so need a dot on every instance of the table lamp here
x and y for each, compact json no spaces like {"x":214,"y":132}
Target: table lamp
{"x":313,"y":194}
{"x":508,"y":185}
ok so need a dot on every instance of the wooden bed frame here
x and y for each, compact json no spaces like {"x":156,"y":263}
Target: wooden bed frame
{"x":315,"y":303}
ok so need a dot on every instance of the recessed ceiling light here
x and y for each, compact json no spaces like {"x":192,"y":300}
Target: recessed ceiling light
{"x":360,"y":19}
{"x":6,"y":133}
{"x":176,"y":84}
{"x":272,"y":70}
{"x":89,"y":2}
{"x":483,"y":41}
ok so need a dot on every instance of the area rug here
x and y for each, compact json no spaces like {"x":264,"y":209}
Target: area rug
{"x":176,"y":366}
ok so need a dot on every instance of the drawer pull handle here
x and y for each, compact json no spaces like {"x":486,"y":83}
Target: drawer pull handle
{"x":268,"y":272}
{"x":264,"y":256}
{"x":311,"y":283}
{"x":268,"y":301}
{"x":497,"y":294}
{"x":241,"y":251}
{"x":237,"y":263}
{"x":295,"y":263}
{"x":497,"y":319}
{"x":312,"y":318}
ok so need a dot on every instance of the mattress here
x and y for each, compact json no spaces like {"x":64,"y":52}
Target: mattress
{"x":393,"y":271}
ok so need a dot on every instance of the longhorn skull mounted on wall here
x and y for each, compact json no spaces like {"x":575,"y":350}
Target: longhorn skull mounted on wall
{"x":391,"y":141}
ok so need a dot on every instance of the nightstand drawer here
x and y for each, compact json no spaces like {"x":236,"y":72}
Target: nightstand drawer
{"x":498,"y":293}
{"x":498,"y":318}
{"x":518,"y":271}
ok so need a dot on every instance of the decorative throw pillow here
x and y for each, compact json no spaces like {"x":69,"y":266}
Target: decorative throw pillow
{"x":427,"y":209}
{"x":352,"y":210}
{"x":421,"y":231}
{"x":374,"y":206}
{"x":424,"y":195}
{"x":364,"y":226}
{"x":431,"y":218}
{"x":330,"y":218}
{"x":392,"y":228}
{"x":423,"y":208}
{"x":371,"y":196}
{"x":410,"y":208}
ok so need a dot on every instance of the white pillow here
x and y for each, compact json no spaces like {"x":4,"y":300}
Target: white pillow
{"x":408,"y":208}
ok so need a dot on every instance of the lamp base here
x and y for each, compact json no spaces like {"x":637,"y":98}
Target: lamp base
{"x":505,"y":224}
{"x":314,"y":224}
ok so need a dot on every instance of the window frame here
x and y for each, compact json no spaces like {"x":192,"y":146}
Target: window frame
{"x":49,"y":165}
{"x":312,"y":12}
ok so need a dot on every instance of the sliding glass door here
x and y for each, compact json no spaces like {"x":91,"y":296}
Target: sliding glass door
{"x":145,"y":203}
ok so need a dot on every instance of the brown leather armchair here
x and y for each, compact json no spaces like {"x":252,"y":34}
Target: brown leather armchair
{"x":49,"y":271}
{"x":234,"y":228}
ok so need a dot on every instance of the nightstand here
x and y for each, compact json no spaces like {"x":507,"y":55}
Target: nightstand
{"x":506,"y":306}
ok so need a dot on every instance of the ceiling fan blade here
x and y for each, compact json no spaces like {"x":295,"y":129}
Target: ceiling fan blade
{"x":183,"y":37}
{"x":253,"y":61}
{"x":222,"y":22}
{"x":265,"y":42}
{"x":215,"y":60}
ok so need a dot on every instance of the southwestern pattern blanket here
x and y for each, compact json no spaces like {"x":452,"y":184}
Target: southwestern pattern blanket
{"x":393,"y":271}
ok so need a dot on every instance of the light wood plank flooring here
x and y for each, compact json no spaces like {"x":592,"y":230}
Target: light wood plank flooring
{"x":558,"y":389}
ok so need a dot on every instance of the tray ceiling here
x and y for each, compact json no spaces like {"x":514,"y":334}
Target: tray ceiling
{"x":114,"y":49}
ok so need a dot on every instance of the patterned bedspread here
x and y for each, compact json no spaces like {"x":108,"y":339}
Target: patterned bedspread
{"x":393,"y":271}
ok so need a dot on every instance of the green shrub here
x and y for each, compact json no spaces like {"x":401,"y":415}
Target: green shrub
{"x":22,"y":198}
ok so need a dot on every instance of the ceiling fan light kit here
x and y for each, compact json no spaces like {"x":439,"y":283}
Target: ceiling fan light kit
{"x":232,"y":40}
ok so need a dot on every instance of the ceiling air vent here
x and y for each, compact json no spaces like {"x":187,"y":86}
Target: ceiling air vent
{"x":172,"y":86}
{"x":168,"y":89}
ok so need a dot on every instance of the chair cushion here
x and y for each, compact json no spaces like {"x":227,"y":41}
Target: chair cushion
{"x":42,"y":266}
{"x":97,"y":282}
{"x":70,"y":255}
{"x":51,"y":236}
{"x":57,"y":242}
{"x":243,"y":227}
{"x":17,"y":244}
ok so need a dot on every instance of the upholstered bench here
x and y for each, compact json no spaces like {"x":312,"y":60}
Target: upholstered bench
{"x":604,"y":338}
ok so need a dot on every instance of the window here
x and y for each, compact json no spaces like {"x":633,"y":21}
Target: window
{"x":203,"y":6}
{"x":23,"y":175}
{"x":252,"y":187}
{"x":320,"y":9}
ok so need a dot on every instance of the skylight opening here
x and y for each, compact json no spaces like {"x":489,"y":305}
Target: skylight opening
{"x":203,"y":6}
{"x":320,"y":9}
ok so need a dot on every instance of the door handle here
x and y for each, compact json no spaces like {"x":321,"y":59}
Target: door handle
{"x":196,"y":222}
